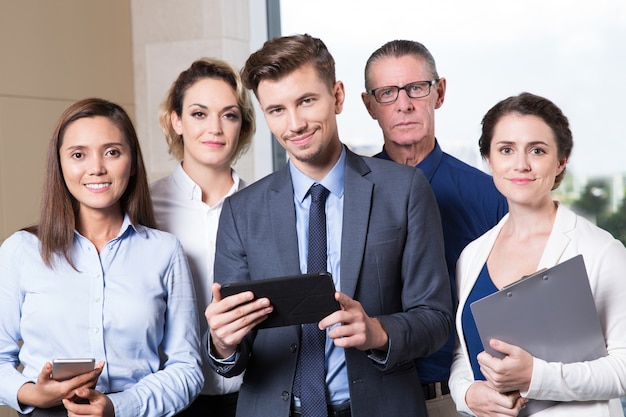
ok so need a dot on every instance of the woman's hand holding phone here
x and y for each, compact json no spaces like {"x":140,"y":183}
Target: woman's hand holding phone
{"x":47,"y":392}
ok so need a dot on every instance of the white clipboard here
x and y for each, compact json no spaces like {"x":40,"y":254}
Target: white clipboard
{"x":550,"y":314}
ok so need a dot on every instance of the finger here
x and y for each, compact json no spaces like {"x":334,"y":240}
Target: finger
{"x":88,"y":379}
{"x":232,"y":301}
{"x":228,"y":329}
{"x":502,"y":347}
{"x":344,"y":301}
{"x":223,"y":312}
{"x":215,"y":289}
{"x":46,"y":373}
{"x":338,"y":318}
{"x":77,"y":409}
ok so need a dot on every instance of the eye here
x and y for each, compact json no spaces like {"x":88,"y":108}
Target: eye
{"x":416,"y":88}
{"x":77,"y":155}
{"x":113,"y":152}
{"x":231,"y":116}
{"x":197,"y":115}
{"x":276,"y":111}
{"x":308,"y":100}
{"x":537,"y":151}
{"x":506,"y":150}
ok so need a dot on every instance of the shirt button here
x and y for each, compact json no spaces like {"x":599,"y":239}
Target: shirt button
{"x":96,"y":330}
{"x":285,"y":396}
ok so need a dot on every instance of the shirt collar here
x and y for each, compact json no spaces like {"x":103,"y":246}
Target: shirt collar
{"x":127,"y":224}
{"x":190,"y":189}
{"x":333,"y":181}
{"x":127,"y":227}
{"x":428,"y":165}
{"x":193,"y":190}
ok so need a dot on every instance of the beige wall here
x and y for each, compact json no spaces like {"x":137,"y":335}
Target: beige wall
{"x":52,"y":54}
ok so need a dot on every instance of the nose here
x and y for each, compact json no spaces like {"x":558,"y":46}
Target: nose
{"x":522,"y":164}
{"x":403,"y":102}
{"x":296,"y":122}
{"x":214,"y":125}
{"x":97,"y":166}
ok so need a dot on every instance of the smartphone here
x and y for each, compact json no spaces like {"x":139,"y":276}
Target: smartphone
{"x":66,"y":368}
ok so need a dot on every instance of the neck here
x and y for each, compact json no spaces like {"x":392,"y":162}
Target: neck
{"x":525,"y":221}
{"x":99,"y":227}
{"x":411,"y":154}
{"x":215,"y":182}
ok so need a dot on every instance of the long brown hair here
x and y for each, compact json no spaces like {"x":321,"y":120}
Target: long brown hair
{"x":59,"y":208}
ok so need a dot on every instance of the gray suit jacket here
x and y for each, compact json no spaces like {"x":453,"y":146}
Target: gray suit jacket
{"x":392,"y":262}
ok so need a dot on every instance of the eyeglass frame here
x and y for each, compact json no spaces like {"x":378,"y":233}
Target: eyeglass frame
{"x":430,"y":85}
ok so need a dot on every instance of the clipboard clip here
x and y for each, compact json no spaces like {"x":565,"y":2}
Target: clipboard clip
{"x":523,"y":278}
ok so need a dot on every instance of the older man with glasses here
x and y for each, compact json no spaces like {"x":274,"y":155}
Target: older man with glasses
{"x":403,"y":90}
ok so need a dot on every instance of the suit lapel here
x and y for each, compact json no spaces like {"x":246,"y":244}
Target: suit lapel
{"x":356,"y":210}
{"x":283,"y":220}
{"x":558,"y":247}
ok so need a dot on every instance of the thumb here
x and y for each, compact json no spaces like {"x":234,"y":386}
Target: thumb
{"x":502,"y":347}
{"x":84,"y":393}
{"x":215,"y":289}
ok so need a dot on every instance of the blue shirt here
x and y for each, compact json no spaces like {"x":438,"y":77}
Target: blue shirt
{"x":483,"y":287}
{"x":336,"y":371}
{"x":121,"y":306}
{"x":469,"y":204}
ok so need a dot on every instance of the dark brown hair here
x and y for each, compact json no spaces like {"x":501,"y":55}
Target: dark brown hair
{"x":284,"y":54}
{"x":59,"y":208}
{"x":530,"y":104}
{"x":201,"y":69}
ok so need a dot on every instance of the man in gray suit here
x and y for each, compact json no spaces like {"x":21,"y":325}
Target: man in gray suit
{"x":384,"y":250}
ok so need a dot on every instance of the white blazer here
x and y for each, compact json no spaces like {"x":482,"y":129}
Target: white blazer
{"x":586,"y":388}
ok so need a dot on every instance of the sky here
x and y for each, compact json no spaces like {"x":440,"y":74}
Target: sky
{"x":573,"y":53}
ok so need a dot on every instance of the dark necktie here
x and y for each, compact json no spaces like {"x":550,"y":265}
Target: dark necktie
{"x":310,"y":379}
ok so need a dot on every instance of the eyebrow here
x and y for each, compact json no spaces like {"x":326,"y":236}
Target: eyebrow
{"x":202,"y":106}
{"x":106,"y":145}
{"x":510,"y":142}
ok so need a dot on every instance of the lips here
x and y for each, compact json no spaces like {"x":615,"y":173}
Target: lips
{"x":302,"y":139}
{"x":521,"y":181}
{"x":406,"y":124}
{"x":213,"y":143}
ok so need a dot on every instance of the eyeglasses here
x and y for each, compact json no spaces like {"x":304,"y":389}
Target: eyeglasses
{"x":389,"y":94}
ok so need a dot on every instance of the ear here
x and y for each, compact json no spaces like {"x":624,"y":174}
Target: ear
{"x":340,"y":95}
{"x":177,"y":123}
{"x":561,"y":166}
{"x":441,"y":92}
{"x":486,"y":158}
{"x":367,"y":101}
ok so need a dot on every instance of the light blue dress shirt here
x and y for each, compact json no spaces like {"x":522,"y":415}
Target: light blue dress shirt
{"x":120,"y":306}
{"x":336,"y":372}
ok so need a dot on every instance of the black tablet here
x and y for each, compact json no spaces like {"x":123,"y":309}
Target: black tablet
{"x":297,"y":299}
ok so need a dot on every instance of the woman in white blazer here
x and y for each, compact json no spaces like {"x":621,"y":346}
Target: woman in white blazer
{"x":527,"y":141}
